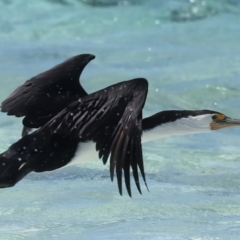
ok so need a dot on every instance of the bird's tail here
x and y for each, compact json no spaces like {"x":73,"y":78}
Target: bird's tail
{"x":12,"y":169}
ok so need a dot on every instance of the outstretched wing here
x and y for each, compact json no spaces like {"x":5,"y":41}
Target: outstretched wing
{"x":112,"y":118}
{"x":44,"y":95}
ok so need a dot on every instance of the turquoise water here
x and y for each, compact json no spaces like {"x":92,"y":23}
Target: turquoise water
{"x":190,"y":53}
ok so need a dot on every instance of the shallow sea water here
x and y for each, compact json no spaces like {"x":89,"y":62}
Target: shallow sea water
{"x":190,"y":53}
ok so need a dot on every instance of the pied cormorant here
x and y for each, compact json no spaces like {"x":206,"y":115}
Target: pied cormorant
{"x":74,"y":125}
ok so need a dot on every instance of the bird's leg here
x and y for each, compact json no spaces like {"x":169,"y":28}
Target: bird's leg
{"x":25,"y":131}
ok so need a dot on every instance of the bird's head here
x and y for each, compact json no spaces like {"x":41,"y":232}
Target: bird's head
{"x":182,"y":122}
{"x":220,"y":120}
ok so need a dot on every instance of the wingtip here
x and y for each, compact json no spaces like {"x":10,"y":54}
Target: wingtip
{"x":146,"y":186}
{"x":87,"y":56}
{"x":139,"y":189}
{"x":129,"y":193}
{"x":91,"y":56}
{"x":112,"y":177}
{"x":120,"y":191}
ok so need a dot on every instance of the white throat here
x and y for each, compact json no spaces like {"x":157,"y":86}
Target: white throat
{"x":183,"y":126}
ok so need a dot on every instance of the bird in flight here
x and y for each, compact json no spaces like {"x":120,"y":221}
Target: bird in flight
{"x":74,"y":126}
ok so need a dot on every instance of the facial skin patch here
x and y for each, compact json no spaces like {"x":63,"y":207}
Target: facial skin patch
{"x":221,"y":116}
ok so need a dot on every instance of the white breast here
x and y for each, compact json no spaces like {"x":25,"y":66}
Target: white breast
{"x":85,"y":152}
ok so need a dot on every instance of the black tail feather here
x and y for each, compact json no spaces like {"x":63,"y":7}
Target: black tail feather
{"x":12,"y":170}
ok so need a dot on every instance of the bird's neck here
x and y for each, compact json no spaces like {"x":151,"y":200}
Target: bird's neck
{"x":170,"y":123}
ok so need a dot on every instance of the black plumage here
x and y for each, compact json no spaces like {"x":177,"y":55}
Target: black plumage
{"x":111,"y":117}
{"x":43,"y":96}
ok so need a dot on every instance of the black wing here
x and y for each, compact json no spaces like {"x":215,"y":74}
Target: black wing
{"x":46,"y":94}
{"x":112,"y":118}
